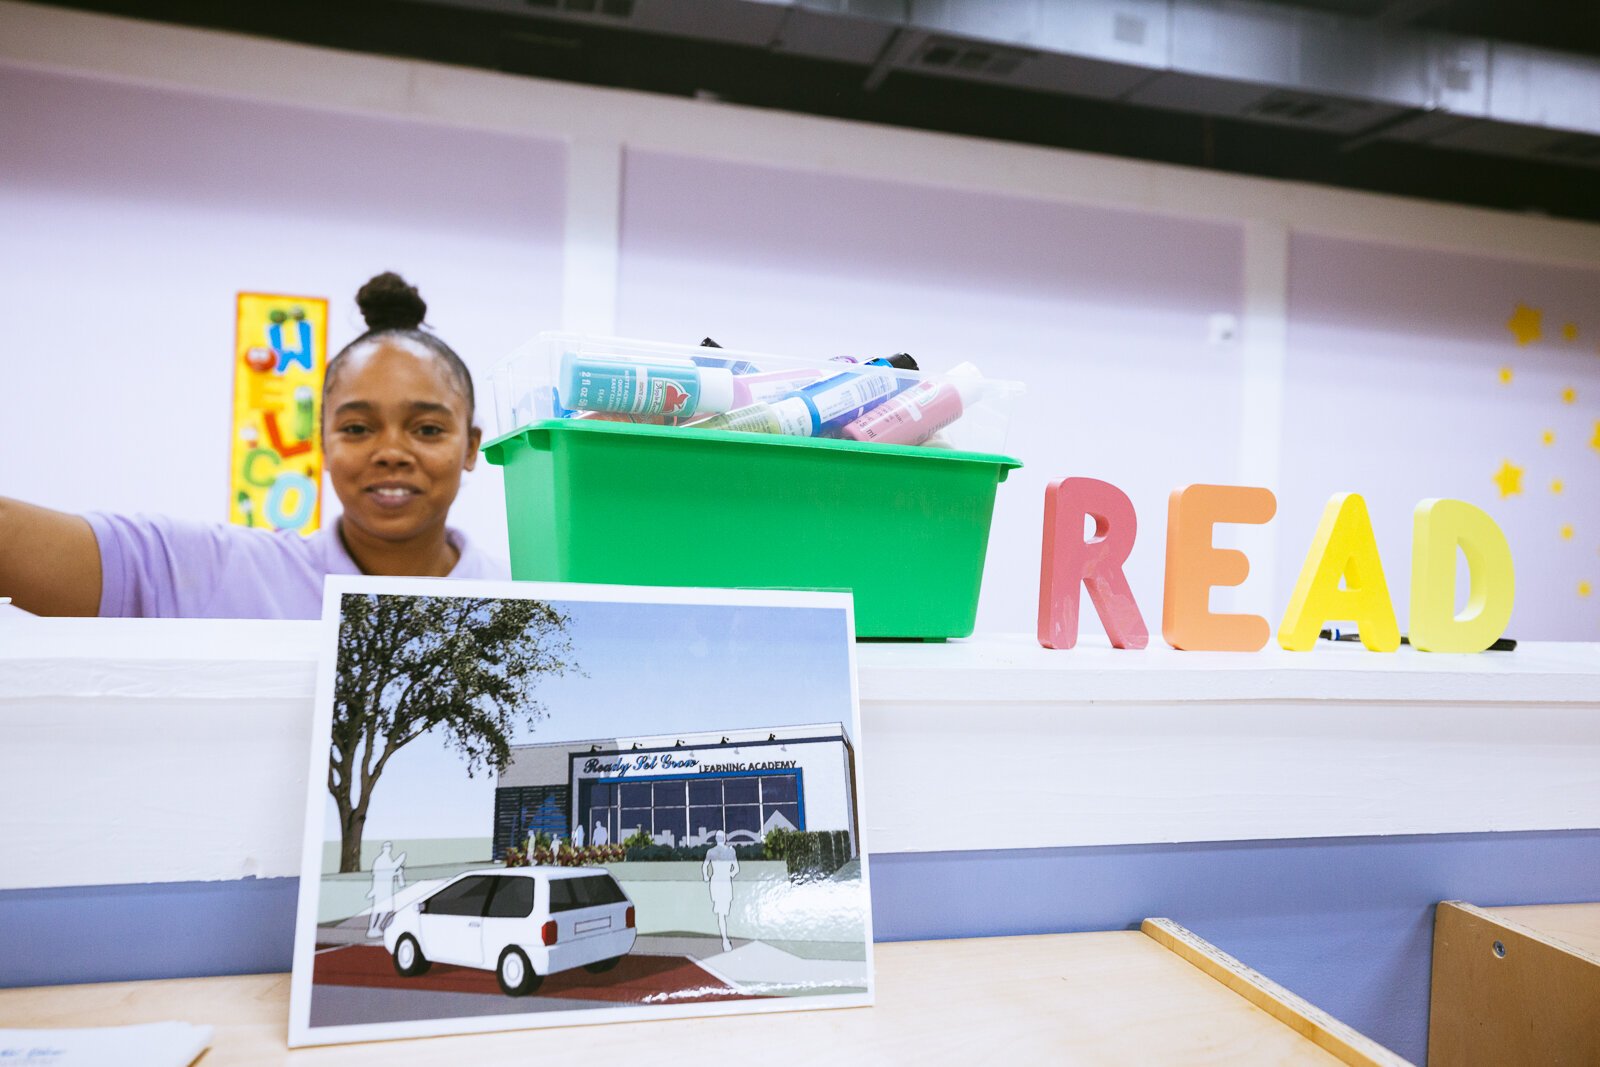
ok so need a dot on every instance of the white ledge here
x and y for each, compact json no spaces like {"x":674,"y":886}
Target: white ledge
{"x":1014,"y":667}
{"x":146,"y":657}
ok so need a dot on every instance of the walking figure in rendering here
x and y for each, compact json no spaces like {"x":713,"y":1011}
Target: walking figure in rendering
{"x":388,"y":878}
{"x":720,"y":868}
{"x":601,"y":836}
{"x":577,"y":837}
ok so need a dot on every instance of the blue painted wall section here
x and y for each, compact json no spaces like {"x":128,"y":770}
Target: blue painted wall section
{"x":1346,"y":923}
{"x":118,"y":933}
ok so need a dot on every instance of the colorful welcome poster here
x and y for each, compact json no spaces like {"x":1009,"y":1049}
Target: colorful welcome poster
{"x":280,"y":354}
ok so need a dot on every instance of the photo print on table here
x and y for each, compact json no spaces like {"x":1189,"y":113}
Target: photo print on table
{"x":539,"y":804}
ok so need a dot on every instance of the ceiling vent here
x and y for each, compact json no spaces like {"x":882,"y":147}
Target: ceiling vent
{"x":1306,"y":109}
{"x":1578,"y":148}
{"x":1458,"y":78}
{"x":1129,"y":29}
{"x":617,"y":9}
{"x":949,"y":56}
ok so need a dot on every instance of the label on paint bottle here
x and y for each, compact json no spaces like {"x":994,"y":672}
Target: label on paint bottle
{"x":643,"y":387}
{"x":772,"y":386}
{"x":917,"y":414}
{"x":844,"y":397}
{"x":910,"y":418}
{"x":790,"y":418}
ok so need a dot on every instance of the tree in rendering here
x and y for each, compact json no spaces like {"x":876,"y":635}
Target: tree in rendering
{"x":462,"y":667}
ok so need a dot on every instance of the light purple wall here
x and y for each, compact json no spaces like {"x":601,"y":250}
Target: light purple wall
{"x":131,"y":218}
{"x":1393,"y":390}
{"x":1102,"y":313}
{"x":133,"y":215}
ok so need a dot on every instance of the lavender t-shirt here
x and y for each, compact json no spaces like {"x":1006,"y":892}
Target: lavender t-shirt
{"x":157,"y":567}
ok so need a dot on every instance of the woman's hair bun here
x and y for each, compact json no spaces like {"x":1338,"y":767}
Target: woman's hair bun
{"x":388,"y":303}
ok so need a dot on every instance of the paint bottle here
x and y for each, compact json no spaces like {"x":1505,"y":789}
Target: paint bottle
{"x":789,"y":417}
{"x":643,"y":386}
{"x":837,"y":401}
{"x":737,"y":366}
{"x":919,"y":412}
{"x":900,"y":361}
{"x":771,"y":386}
{"x":618,"y":416}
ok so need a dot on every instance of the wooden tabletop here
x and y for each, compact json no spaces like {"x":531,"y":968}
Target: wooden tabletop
{"x":1119,"y":997}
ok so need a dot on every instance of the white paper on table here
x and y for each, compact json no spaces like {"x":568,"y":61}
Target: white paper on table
{"x":148,"y":1045}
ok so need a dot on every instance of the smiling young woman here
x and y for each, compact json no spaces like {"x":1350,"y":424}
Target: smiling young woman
{"x":398,"y":435}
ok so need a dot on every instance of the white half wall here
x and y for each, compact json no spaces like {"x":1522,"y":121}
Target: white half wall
{"x":201,"y":731}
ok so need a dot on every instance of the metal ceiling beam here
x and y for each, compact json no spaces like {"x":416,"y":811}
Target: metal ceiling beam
{"x":1245,"y":59}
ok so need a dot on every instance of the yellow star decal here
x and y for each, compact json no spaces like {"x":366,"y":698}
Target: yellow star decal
{"x":1524,"y":324}
{"x":1548,"y":437}
{"x":1508,"y":478}
{"x":1584,"y":589}
{"x":1569,"y":395}
{"x":1557,"y":485}
{"x":1566,"y":532}
{"x":1569,"y":332}
{"x":1595,"y":443}
{"x":1505,"y":375}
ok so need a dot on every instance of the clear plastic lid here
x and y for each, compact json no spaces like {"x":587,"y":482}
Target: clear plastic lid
{"x":870,"y":400}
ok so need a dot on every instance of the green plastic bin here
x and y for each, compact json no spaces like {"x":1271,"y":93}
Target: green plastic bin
{"x":905,"y":529}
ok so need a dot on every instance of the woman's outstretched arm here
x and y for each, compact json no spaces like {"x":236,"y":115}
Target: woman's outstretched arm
{"x":49,"y":560}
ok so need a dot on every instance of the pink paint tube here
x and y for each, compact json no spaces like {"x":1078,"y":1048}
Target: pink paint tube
{"x":917,"y":414}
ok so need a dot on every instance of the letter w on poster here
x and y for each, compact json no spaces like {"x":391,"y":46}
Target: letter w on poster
{"x":537,"y":804}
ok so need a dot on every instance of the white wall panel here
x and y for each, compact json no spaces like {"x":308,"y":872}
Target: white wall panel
{"x":133,"y":216}
{"x":1394,"y":389}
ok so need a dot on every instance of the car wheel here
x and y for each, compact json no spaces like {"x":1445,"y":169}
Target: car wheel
{"x":602,"y":966}
{"x":516,"y":973}
{"x":408,"y":958}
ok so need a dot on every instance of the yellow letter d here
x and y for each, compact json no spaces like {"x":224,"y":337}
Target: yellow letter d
{"x":1438,"y":526}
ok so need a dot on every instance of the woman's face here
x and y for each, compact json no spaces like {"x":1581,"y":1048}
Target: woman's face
{"x":397,"y":435}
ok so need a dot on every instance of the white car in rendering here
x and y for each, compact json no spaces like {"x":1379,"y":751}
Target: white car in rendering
{"x":524,"y":923}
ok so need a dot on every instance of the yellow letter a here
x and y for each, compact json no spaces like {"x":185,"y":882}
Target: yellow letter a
{"x":1343,"y":548}
{"x":1438,"y":526}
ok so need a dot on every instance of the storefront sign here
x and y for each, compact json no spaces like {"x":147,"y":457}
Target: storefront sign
{"x":1342,"y":579}
{"x":280,"y":354}
{"x":668,"y":763}
{"x":637,"y":765}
